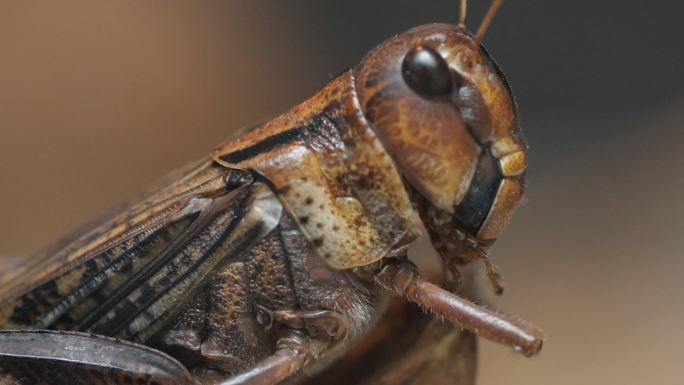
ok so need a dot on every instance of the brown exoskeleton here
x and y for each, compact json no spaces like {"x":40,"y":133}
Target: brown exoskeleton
{"x":267,"y":259}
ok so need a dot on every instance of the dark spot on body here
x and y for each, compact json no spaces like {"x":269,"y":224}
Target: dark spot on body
{"x":319,"y":225}
{"x":318,"y":242}
{"x":336,"y":228}
{"x":304,"y":220}
{"x":308,"y":201}
{"x":321,"y":207}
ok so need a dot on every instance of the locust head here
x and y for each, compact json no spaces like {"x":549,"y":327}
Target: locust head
{"x":444,"y":111}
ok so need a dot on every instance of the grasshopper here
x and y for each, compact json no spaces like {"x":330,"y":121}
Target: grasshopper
{"x":266,"y":260}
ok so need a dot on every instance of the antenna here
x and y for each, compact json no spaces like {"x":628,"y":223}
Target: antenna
{"x":462,"y":13}
{"x":487,"y":20}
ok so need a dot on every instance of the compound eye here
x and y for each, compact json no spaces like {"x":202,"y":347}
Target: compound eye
{"x":426,"y":72}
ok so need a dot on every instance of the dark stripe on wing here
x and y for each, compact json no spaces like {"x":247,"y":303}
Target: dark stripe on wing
{"x":172,"y":276}
{"x":205,"y":218}
{"x":156,"y":315}
{"x":121,"y":262}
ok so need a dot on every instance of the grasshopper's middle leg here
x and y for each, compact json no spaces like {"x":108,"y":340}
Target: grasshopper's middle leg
{"x":302,"y":336}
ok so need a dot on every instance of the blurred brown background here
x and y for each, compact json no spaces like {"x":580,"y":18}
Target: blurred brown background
{"x":98,"y":99}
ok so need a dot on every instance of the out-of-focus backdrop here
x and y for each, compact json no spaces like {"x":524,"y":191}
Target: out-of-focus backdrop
{"x":100,"y":98}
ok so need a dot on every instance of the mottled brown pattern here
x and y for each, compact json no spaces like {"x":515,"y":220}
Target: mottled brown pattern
{"x":437,"y":142}
{"x":428,"y":139}
{"x":234,"y":339}
{"x":268,"y":274}
{"x":343,"y":180}
{"x":265,"y":260}
{"x":237,"y":332}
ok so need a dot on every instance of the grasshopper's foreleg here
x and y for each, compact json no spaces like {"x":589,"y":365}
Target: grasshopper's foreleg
{"x":404,"y":279}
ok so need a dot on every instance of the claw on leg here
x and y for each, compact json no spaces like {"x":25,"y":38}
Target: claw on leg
{"x":404,"y":280}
